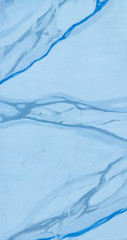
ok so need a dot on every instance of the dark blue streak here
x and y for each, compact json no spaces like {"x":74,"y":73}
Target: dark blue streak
{"x":93,"y":226}
{"x":46,"y":238}
{"x":99,"y":6}
{"x":96,"y":224}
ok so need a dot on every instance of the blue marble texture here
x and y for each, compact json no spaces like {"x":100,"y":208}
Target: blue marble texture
{"x":63,"y":119}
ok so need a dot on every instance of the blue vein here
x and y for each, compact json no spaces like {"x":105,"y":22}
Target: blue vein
{"x":98,"y":7}
{"x":96,"y":224}
{"x":93,"y":226}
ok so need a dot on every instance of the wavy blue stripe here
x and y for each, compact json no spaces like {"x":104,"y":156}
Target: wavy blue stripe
{"x":96,"y":224}
{"x":93,"y":226}
{"x":46,"y":238}
{"x":99,"y":6}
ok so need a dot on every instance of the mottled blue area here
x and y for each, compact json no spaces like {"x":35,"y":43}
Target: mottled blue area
{"x":34,"y":112}
{"x":63,"y":120}
{"x":99,"y":5}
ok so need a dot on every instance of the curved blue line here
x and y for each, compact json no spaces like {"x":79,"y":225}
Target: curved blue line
{"x":46,"y":238}
{"x":96,"y":224}
{"x":99,"y":6}
{"x":93,"y":226}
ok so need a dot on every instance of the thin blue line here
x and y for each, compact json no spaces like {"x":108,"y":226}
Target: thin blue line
{"x":96,"y":224}
{"x":99,"y":6}
{"x":46,"y":238}
{"x":93,"y":226}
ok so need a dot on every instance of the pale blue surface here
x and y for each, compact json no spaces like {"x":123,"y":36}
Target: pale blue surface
{"x":63,"y":119}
